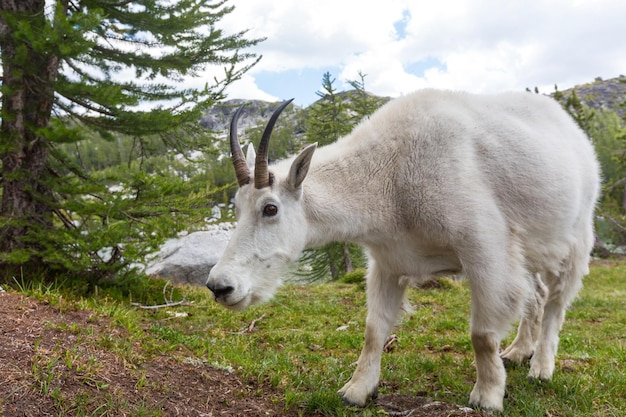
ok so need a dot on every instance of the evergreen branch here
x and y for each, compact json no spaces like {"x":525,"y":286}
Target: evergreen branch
{"x":66,"y":222}
{"x":615,"y":222}
{"x":78,"y":101}
{"x":608,"y":188}
{"x":94,"y":42}
{"x":67,"y":164}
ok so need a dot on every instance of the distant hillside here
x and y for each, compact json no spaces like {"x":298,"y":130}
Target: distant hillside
{"x":599,"y":94}
{"x":603,"y":94}
{"x":255,"y":113}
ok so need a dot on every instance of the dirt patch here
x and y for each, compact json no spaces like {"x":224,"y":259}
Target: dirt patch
{"x":54,"y":363}
{"x":416,"y":406}
{"x":613,"y":260}
{"x":75,"y":362}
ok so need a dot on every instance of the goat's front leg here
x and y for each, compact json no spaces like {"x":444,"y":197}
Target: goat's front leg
{"x":495,"y":304}
{"x":384,"y":300}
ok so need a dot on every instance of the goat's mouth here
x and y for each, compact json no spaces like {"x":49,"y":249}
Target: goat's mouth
{"x":244,"y":302}
{"x":237,"y":305}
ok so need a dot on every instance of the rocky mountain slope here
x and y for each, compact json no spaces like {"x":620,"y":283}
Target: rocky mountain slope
{"x":603,"y":94}
{"x":599,"y":94}
{"x":255,"y":112}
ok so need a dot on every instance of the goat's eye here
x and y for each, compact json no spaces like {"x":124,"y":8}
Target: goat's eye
{"x":270,"y":210}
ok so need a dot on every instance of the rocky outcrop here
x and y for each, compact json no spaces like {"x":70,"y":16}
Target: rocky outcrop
{"x":255,"y":113}
{"x":603,"y":94}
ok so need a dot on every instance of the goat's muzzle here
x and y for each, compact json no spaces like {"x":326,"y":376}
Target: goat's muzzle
{"x":220,"y":291}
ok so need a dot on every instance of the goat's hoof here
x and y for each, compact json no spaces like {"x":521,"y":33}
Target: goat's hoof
{"x":515,"y":356}
{"x":540,"y":372}
{"x":493,"y":400}
{"x":352,"y":394}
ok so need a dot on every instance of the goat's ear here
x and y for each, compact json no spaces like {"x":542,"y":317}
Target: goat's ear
{"x":300,"y":167}
{"x":250,"y":156}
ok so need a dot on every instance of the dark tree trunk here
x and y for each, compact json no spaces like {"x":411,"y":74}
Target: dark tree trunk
{"x":27,"y":98}
{"x":334,"y":274}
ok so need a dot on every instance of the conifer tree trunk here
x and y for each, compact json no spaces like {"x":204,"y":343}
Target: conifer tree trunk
{"x":27,"y":95}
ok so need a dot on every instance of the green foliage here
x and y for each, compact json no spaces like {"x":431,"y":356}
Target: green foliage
{"x":107,"y":221}
{"x":608,"y":135}
{"x":607,"y":131}
{"x":123,"y":216}
{"x":355,"y":277}
{"x":582,"y":114}
{"x":362,"y":103}
{"x":328,"y":119}
{"x":101,"y":172}
{"x":330,"y":262}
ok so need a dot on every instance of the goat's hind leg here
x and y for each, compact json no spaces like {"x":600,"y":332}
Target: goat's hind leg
{"x":563,"y":288}
{"x":529,"y":330}
{"x":384,"y":301}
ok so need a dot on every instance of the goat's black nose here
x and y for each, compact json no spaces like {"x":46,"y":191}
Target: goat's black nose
{"x":220,"y":291}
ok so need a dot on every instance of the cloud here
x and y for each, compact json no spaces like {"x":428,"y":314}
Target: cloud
{"x":403,"y":45}
{"x":246,"y":87}
{"x":310,"y":33}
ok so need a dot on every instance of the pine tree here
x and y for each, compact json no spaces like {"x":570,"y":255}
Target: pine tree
{"x":582,"y":114}
{"x":606,"y":132}
{"x":328,"y":119}
{"x":362,"y":104}
{"x":72,"y":67}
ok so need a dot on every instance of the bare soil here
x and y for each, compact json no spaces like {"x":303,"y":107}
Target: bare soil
{"x":62,"y":363}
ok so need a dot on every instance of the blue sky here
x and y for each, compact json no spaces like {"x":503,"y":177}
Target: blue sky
{"x":480,"y":46}
{"x":298,"y":83}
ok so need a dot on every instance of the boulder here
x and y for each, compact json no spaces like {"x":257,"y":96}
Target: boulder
{"x":189,"y":259}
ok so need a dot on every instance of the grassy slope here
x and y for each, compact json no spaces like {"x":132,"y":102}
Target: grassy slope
{"x":306,"y":341}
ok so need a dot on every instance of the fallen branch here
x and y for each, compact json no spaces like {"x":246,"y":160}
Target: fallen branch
{"x":250,"y":328}
{"x":183,"y":302}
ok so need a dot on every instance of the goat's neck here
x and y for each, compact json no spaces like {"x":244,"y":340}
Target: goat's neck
{"x":338,"y":203}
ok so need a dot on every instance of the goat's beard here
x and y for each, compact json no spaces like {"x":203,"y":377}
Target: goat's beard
{"x":270,"y":282}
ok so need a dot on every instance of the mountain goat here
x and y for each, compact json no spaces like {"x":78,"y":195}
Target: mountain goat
{"x":501,"y":187}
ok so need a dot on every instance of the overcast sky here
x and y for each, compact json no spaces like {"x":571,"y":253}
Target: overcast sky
{"x":405,"y":45}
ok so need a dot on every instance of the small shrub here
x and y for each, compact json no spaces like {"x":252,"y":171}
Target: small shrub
{"x":355,"y":277}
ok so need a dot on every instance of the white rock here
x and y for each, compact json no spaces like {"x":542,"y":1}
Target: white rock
{"x":190,"y":258}
{"x":216,"y":212}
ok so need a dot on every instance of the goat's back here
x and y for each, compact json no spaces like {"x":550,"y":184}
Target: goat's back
{"x":448,"y":158}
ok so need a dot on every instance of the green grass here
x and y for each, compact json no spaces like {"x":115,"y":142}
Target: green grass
{"x":309,"y":338}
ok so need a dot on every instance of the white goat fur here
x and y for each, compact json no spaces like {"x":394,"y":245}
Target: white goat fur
{"x":502,"y":187}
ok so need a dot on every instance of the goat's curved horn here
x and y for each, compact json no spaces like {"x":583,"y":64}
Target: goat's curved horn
{"x":261,"y":172}
{"x":239,"y":162}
